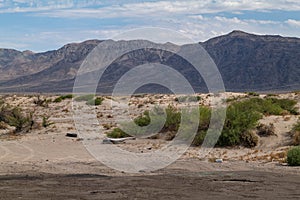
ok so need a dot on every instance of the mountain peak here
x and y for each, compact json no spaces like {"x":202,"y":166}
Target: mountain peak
{"x":238,"y":33}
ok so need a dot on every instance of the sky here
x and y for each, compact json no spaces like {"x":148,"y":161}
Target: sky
{"x":40,"y":25}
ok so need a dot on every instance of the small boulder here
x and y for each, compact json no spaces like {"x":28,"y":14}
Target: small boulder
{"x":73,"y":135}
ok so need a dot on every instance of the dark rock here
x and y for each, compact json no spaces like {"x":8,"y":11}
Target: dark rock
{"x":73,"y":135}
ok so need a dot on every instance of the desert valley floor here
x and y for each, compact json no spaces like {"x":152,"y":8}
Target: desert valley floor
{"x":45,"y":164}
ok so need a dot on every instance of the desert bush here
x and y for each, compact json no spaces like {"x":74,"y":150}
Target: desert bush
{"x":95,"y":102}
{"x":238,"y":121}
{"x":143,"y":120}
{"x":107,"y":126}
{"x":63,"y":97}
{"x":117,"y":133}
{"x":264,"y":130}
{"x":272,"y":95}
{"x":46,"y":122}
{"x":173,"y":119}
{"x":296,"y":133}
{"x":285,"y":104}
{"x":249,"y":139}
{"x":3,"y":125}
{"x":199,"y":138}
{"x":41,"y":102}
{"x":204,"y":118}
{"x":169,"y":130}
{"x":13,"y":116}
{"x":296,"y":138}
{"x":269,"y":106}
{"x":252,"y":94}
{"x":293,"y":156}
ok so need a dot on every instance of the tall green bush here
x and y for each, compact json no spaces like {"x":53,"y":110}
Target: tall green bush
{"x":293,"y":156}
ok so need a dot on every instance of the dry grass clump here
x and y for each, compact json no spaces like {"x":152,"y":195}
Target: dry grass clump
{"x":43,"y":102}
{"x":264,"y":130}
{"x":296,"y":134}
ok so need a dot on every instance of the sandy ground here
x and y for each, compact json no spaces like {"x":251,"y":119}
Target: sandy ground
{"x":45,"y":164}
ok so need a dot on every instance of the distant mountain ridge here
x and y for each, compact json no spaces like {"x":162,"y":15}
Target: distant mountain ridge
{"x":247,"y":62}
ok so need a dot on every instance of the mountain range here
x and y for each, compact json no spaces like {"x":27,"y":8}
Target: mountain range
{"x":247,"y":62}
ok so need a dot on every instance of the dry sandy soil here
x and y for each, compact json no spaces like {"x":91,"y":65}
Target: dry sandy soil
{"x":45,"y":164}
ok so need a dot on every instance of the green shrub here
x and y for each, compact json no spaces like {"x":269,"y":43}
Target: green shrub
{"x":58,"y":100}
{"x":61,"y":98}
{"x":199,"y":138}
{"x":242,"y":118}
{"x":14,"y":117}
{"x":286,"y":104}
{"x":117,"y":133}
{"x":204,"y":119}
{"x":293,"y":156}
{"x":269,"y":106}
{"x":238,"y":121}
{"x":143,"y":120}
{"x":173,"y":119}
{"x":95,"y":102}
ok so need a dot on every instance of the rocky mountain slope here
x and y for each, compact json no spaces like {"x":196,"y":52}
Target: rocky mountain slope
{"x":246,"y":62}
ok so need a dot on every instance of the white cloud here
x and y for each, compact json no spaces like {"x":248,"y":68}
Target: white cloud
{"x":293,"y":23}
{"x":70,"y":8}
{"x":234,"y":20}
{"x":187,"y":17}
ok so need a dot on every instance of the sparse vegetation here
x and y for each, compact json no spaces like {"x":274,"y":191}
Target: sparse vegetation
{"x":272,"y":95}
{"x":240,"y":125}
{"x":41,"y":102}
{"x":90,"y":99}
{"x":249,"y":139}
{"x":87,"y":97}
{"x":188,"y":99}
{"x":107,"y":126}
{"x":264,"y":130}
{"x":270,"y":106}
{"x":143,"y":120}
{"x":172,"y":120}
{"x":293,"y":156}
{"x":296,"y":133}
{"x":95,"y":102}
{"x":63,"y":97}
{"x":3,"y":125}
{"x":252,"y":94}
{"x":117,"y":133}
{"x":13,"y":116}
{"x":46,"y":122}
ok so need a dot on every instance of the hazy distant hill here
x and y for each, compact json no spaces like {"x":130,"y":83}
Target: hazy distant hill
{"x":247,"y":63}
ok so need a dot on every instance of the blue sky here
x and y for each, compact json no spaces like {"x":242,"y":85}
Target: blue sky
{"x":40,"y":25}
